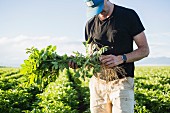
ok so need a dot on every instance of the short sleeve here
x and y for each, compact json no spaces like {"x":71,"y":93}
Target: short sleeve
{"x":136,"y":24}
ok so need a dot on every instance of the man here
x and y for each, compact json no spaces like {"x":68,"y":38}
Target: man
{"x":117,"y":27}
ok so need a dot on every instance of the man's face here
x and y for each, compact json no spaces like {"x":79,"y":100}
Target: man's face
{"x":105,"y":10}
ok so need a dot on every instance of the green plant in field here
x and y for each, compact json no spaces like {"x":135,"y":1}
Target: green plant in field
{"x":152,"y":89}
{"x":14,"y":96}
{"x":59,"y":96}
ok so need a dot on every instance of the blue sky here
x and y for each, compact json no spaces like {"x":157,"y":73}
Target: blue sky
{"x":27,"y":23}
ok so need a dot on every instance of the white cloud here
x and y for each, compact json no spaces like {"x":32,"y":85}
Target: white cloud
{"x":13,"y":50}
{"x":13,"y":53}
{"x":159,"y":44}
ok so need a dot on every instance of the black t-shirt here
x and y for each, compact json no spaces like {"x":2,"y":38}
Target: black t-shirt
{"x":117,"y":32}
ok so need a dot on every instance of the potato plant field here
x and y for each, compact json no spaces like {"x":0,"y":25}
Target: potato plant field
{"x":45,"y":84}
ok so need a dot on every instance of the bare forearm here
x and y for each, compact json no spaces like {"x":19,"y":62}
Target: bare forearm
{"x":142,"y":48}
{"x":137,"y":54}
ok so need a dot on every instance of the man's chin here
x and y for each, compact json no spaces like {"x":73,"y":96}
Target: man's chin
{"x":103,"y":13}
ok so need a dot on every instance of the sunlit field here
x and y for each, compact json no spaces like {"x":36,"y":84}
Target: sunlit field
{"x":152,"y":93}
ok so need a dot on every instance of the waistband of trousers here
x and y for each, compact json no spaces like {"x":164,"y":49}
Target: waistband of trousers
{"x":112,"y":81}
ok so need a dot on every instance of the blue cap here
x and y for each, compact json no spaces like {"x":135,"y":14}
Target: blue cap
{"x":94,"y":7}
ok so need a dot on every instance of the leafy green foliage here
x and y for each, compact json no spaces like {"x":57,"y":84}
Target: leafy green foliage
{"x":152,"y":89}
{"x":43,"y":66}
{"x":14,"y":100}
{"x":37,"y":66}
{"x":152,"y":92}
{"x":15,"y":97}
{"x":59,"y":96}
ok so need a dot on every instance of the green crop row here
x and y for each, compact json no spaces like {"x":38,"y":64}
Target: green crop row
{"x":152,"y":89}
{"x":152,"y":94}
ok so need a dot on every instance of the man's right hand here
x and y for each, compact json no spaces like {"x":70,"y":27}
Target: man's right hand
{"x":72,"y":64}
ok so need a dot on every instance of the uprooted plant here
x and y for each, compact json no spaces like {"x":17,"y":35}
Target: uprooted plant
{"x":104,"y":72}
{"x":43,"y":66}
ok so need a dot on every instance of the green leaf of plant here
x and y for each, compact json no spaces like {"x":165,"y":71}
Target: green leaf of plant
{"x":77,"y":80}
